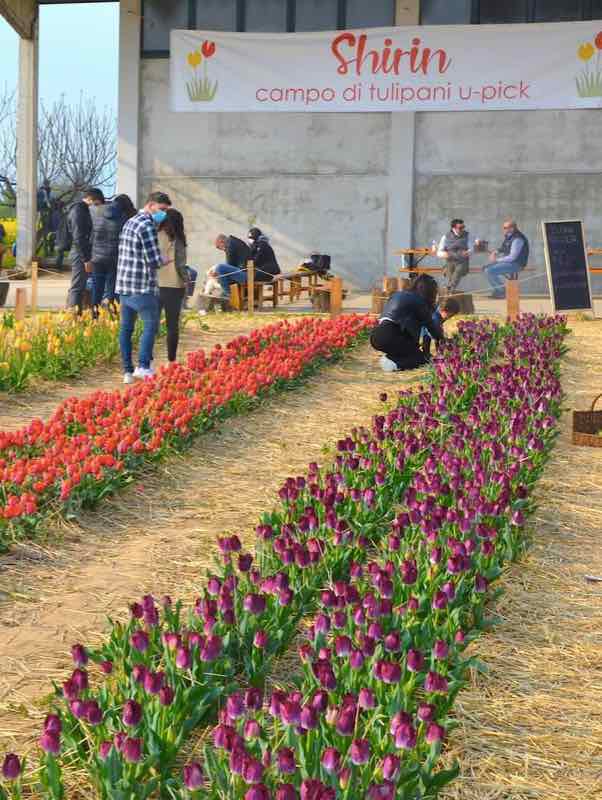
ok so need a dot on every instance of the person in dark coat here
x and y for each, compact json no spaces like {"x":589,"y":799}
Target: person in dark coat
{"x":263,"y":256}
{"x":79,"y":232}
{"x":405,"y":314}
{"x":107,"y":222}
{"x":234,"y":268}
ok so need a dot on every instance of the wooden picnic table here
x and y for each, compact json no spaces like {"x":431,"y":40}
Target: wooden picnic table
{"x":422,"y":252}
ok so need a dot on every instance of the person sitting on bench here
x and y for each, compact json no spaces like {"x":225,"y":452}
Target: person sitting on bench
{"x":397,"y":334}
{"x":234,"y":268}
{"x":263,"y":256}
{"x":455,"y":248}
{"x":509,"y":259}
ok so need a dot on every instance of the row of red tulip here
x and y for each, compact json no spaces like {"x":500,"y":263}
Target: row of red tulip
{"x":93,"y":445}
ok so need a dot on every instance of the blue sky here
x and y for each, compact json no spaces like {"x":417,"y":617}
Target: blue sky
{"x":78,"y":52}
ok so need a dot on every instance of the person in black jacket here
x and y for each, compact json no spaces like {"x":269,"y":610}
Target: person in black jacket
{"x":234,"y":269}
{"x":397,"y":334}
{"x":79,"y":231}
{"x":107,"y":222}
{"x":263,"y":256}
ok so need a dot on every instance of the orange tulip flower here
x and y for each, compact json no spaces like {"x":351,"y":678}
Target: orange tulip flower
{"x":194,"y":59}
{"x":586,"y":51}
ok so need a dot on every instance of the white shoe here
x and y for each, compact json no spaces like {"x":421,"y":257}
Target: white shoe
{"x":143,"y":372}
{"x":129,"y":378}
{"x":387,"y":365}
{"x":202,"y":312}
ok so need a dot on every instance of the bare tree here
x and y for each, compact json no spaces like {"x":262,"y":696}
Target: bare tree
{"x":76,"y":147}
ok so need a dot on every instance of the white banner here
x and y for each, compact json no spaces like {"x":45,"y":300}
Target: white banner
{"x":430,"y":68}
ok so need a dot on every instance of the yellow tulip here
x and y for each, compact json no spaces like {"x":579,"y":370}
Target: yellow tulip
{"x":194,"y":59}
{"x":586,"y":51}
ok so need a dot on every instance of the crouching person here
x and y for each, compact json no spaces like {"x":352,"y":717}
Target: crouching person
{"x":405,"y":314}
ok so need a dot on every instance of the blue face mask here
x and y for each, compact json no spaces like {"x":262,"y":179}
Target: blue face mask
{"x":159,"y":216}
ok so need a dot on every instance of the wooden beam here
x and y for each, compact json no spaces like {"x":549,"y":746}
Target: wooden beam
{"x":21,"y":15}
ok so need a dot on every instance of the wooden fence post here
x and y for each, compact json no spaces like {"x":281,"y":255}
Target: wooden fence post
{"x":20,"y":304}
{"x":512,"y":299}
{"x":336,"y":296}
{"x":390,"y":285}
{"x":34,"y":288}
{"x":251,"y":287}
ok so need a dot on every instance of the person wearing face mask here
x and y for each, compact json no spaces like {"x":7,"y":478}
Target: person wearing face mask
{"x":79,"y":241}
{"x":138,"y":261}
{"x":263,"y":256}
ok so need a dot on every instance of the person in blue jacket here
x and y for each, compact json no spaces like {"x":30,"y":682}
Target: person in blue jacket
{"x":405,"y":314}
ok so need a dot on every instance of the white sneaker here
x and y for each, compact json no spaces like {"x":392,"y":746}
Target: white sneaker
{"x":387,"y":365}
{"x":143,"y":372}
{"x":129,"y":378}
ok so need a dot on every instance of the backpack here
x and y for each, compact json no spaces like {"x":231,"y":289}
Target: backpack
{"x":318,"y":262}
{"x":64,"y":237}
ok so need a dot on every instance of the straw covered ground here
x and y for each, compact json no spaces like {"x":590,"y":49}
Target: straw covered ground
{"x":530,"y":729}
{"x":159,"y":535}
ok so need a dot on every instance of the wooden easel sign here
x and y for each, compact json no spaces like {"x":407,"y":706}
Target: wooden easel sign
{"x":567,"y":266}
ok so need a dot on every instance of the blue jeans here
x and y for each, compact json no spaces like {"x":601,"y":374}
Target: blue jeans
{"x":147,"y":307}
{"x":227,"y":275}
{"x":191,"y":282}
{"x":496,"y":271}
{"x":103,"y":287}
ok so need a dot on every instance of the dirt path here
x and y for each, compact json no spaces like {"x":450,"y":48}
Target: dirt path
{"x":531,"y":729}
{"x":159,"y":535}
{"x":17,"y":410}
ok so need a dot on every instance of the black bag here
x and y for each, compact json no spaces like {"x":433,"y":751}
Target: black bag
{"x":64,"y":237}
{"x":318,"y":262}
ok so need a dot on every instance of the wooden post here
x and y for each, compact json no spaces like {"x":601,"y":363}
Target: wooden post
{"x":390,"y":285}
{"x":377,"y":297}
{"x":34,"y":288}
{"x":251,"y":287}
{"x":512,"y":299}
{"x":336,"y":296}
{"x":20,"y":304}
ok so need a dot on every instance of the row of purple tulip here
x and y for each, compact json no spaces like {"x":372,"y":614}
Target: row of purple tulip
{"x":438,"y":486}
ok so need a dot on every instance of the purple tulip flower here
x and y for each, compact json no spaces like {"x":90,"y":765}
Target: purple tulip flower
{"x":132,"y":713}
{"x":132,"y":750}
{"x":192,"y":776}
{"x":11,"y":767}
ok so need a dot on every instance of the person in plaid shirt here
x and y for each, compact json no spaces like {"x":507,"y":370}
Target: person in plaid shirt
{"x":137,"y":265}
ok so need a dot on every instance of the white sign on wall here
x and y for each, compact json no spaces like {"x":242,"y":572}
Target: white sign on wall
{"x":429,"y":68}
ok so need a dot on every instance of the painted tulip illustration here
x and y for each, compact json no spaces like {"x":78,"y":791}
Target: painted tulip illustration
{"x":586,"y":51}
{"x":208,"y":49}
{"x":194,"y":59}
{"x":201,"y":89}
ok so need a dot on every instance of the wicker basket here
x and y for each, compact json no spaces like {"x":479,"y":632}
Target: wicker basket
{"x":586,"y":425}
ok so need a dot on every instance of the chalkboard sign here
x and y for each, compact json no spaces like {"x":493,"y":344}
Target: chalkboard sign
{"x":566,"y":262}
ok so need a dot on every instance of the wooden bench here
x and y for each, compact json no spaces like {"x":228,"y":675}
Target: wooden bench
{"x":331,"y":291}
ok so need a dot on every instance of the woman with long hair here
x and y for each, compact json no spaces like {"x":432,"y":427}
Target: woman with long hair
{"x":172,"y":277}
{"x":397,"y":334}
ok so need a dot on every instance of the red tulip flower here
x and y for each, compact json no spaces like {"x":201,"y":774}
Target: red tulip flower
{"x":208,"y":49}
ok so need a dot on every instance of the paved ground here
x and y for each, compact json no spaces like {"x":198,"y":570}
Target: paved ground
{"x":52,"y":293}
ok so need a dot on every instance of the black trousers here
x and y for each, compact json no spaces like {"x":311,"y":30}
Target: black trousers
{"x":171,"y":300}
{"x":397,"y":345}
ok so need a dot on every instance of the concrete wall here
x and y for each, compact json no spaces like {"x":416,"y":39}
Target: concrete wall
{"x":483,"y":166}
{"x":343,"y":183}
{"x":311,"y":181}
